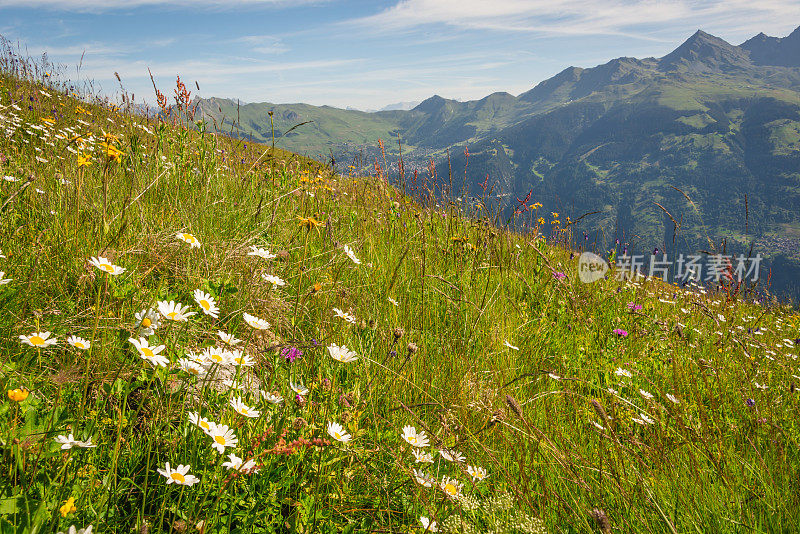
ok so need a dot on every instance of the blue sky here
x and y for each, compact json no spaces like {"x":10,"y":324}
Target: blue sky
{"x":365,"y":54}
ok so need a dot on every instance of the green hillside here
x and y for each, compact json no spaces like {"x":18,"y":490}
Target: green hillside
{"x":201,"y":335}
{"x":716,"y":121}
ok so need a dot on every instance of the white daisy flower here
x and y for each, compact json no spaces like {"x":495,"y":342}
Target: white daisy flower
{"x":191,"y":367}
{"x":148,"y":353}
{"x":216,"y":355}
{"x":351,"y":255}
{"x":243,"y":409}
{"x":344,"y":315}
{"x":336,"y":431}
{"x":623,"y":372}
{"x":394,"y":302}
{"x":421,"y":456}
{"x":234,"y":463}
{"x":79,"y":342}
{"x":450,"y":486}
{"x":73,"y":530}
{"x":422,"y":478}
{"x":274,"y":280}
{"x":272,"y":398}
{"x":239,"y":359}
{"x":255,"y":322}
{"x":174,"y":311}
{"x":428,"y":525}
{"x":206,"y":303}
{"x":645,"y":394}
{"x":673,"y":398}
{"x":451,"y":456}
{"x":39,"y":340}
{"x":3,"y":280}
{"x":261,"y":253}
{"x":222,"y":437}
{"x":643,"y":419}
{"x":68,"y":442}
{"x":417,"y":439}
{"x":342,"y":354}
{"x":179,"y":476}
{"x":106,"y":266}
{"x":300,"y":389}
{"x":477,"y":473}
{"x":190,"y":239}
{"x":204,"y":424}
{"x":148,"y":320}
{"x":228,"y":339}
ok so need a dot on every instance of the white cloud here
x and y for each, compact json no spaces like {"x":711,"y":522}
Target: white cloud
{"x":637,"y":18}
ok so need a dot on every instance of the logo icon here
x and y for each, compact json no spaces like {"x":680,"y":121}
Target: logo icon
{"x":591,"y":267}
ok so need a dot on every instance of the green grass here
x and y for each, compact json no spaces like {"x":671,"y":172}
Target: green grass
{"x":560,"y":432}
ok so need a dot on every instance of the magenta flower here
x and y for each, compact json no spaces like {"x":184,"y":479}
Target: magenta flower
{"x":290,"y":354}
{"x":634,"y":307}
{"x":558,"y":275}
{"x":620,"y":332}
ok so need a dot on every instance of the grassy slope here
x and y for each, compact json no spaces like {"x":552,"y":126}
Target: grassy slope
{"x":552,"y":422}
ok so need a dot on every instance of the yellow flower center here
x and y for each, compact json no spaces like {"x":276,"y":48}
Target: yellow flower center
{"x":147,"y":352}
{"x":107,"y":267}
{"x":450,"y":489}
{"x":216,"y":357}
{"x":172,"y":315}
{"x":238,"y":360}
{"x":80,"y":345}
{"x":36,"y":340}
{"x":337,"y":435}
{"x":146,"y":322}
{"x":243,"y":411}
{"x":178,"y":477}
{"x":220,"y":439}
{"x":189,"y":238}
{"x":206,"y":306}
{"x":204,"y":425}
{"x":412,"y":440}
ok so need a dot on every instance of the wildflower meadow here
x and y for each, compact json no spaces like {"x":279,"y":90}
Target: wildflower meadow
{"x":204,"y":334}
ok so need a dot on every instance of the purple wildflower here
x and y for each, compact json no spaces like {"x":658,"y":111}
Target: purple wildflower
{"x":290,"y":354}
{"x":751,"y":403}
{"x":558,"y":275}
{"x":634,"y":307}
{"x":620,"y":332}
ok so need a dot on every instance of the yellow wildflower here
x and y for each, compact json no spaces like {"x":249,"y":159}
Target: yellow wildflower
{"x":18,"y":395}
{"x":68,"y":507}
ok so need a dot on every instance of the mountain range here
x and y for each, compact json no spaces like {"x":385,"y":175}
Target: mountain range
{"x":696,"y":150}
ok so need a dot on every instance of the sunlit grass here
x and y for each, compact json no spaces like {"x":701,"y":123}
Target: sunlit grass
{"x":200,"y":334}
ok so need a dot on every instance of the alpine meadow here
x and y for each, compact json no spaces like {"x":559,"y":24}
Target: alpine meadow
{"x":205,"y":333}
